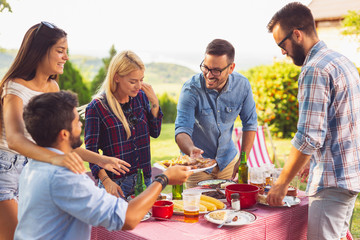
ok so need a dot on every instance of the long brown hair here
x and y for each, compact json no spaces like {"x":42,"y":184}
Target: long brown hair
{"x":35,"y":45}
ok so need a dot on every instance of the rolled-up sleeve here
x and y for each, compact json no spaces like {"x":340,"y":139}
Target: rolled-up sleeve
{"x":248,"y":114}
{"x":186,"y":106}
{"x":314,"y":100}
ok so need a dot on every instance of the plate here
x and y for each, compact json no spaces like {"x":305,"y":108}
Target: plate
{"x":192,"y":170}
{"x":244,"y":218}
{"x":293,"y":201}
{"x":213,"y":182}
{"x":146,"y":217}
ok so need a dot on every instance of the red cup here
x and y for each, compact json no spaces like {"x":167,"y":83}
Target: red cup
{"x":248,"y":194}
{"x":162,"y":209}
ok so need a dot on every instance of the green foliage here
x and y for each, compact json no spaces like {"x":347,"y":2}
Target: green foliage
{"x":351,"y":23}
{"x":4,"y":5}
{"x":275,"y":94}
{"x":99,"y":78}
{"x":72,"y":80}
{"x":168,"y":107}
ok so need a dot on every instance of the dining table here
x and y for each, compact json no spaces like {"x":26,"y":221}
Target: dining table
{"x":271,"y":223}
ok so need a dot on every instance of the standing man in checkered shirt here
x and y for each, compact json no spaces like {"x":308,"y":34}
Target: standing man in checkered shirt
{"x":328,"y":132}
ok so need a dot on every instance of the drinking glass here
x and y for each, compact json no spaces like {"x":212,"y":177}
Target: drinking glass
{"x":191,"y":206}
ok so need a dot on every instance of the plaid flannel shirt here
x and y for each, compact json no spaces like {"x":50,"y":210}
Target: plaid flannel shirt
{"x":103,"y":130}
{"x":329,"y":119}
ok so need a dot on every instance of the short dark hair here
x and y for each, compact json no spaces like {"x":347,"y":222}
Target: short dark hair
{"x":47,"y":114}
{"x":219,"y":47}
{"x":294,"y":16}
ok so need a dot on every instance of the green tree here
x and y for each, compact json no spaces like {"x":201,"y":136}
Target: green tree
{"x":72,"y":80}
{"x":275,"y":94}
{"x":100,"y":76}
{"x":168,"y":107}
{"x":351,"y":24}
{"x":4,"y":5}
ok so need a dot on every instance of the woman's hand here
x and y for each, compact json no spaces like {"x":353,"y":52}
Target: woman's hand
{"x":70,"y":160}
{"x":112,"y":188}
{"x":150,"y":93}
{"x":113,"y":164}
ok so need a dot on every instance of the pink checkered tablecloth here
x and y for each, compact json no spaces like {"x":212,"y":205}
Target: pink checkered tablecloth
{"x":271,"y":223}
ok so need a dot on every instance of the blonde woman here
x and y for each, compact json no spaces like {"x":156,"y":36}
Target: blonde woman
{"x":120,"y":120}
{"x":35,"y":69}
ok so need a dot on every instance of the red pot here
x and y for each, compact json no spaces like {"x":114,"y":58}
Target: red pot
{"x":248,"y":194}
{"x":163,"y":209}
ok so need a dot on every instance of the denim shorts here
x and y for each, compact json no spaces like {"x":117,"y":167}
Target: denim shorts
{"x":127,"y":184}
{"x":11,"y":166}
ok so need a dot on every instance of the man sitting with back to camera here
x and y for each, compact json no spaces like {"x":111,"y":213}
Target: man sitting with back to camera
{"x":55,"y":203}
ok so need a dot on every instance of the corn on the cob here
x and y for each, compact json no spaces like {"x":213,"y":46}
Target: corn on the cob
{"x":209,"y":206}
{"x":217,"y":203}
{"x":179,"y":206}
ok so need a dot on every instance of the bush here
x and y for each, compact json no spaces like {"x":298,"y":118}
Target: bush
{"x":275,"y":94}
{"x":168,"y":107}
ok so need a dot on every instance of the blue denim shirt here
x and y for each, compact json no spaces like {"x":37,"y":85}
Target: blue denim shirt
{"x":55,"y":203}
{"x":208,"y":116}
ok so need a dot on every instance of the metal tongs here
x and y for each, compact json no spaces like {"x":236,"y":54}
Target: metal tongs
{"x":229,"y":218}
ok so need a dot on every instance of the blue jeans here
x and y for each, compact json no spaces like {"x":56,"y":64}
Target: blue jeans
{"x":127,"y":184}
{"x":11,"y":166}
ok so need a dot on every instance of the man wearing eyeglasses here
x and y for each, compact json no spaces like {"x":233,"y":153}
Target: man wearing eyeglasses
{"x":328,"y":130}
{"x":208,"y":106}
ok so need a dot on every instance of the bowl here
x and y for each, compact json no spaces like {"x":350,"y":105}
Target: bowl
{"x":162,"y":209}
{"x":248,"y":194}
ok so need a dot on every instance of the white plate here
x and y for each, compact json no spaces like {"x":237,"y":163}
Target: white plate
{"x":157,"y":165}
{"x":291,"y":200}
{"x":244,"y":218}
{"x":146,"y":217}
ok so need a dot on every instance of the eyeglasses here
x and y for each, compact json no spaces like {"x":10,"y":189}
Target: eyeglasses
{"x":214,"y":72}
{"x":286,"y":37}
{"x":46,"y":24}
{"x":132,"y":119}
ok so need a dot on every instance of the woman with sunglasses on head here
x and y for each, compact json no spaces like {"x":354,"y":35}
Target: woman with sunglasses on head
{"x":39,"y":61}
{"x":119,"y":121}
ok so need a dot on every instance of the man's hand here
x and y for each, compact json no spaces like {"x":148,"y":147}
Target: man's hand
{"x":70,"y":160}
{"x":112,"y":188}
{"x":304,"y":172}
{"x":236,"y":171}
{"x":177,"y":174}
{"x":276,"y":195}
{"x":114,"y":165}
{"x":196,"y":152}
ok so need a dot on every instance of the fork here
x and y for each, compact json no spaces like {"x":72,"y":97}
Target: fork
{"x":229,"y":218}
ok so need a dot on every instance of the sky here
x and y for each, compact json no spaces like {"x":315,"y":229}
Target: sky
{"x":156,"y":30}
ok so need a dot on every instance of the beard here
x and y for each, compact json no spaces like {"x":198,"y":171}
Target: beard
{"x":298,"y":55}
{"x":75,"y":142}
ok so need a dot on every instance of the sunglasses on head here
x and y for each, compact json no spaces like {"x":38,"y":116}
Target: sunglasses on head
{"x":46,"y":24}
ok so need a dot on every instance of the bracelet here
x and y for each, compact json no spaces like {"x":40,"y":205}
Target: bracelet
{"x":102,"y":180}
{"x":162,"y":179}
